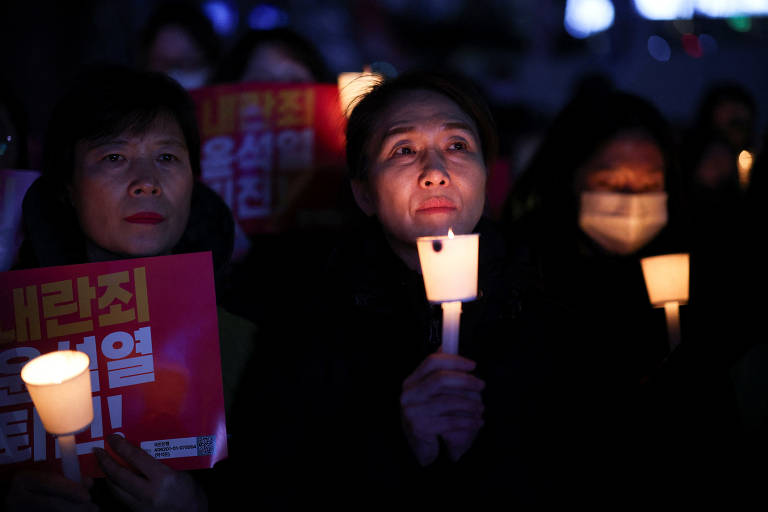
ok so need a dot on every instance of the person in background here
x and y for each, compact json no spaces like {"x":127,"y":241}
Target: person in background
{"x":718,"y":153}
{"x":179,"y":40}
{"x":282,"y":56}
{"x":278,"y":55}
{"x":602,"y":192}
{"x":122,"y":143}
{"x":716,"y":175}
{"x":15,"y":175}
{"x":729,"y":110}
{"x":740,"y":290}
{"x":723,"y":128}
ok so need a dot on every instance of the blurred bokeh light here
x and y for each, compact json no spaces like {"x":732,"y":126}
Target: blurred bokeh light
{"x":586,"y":17}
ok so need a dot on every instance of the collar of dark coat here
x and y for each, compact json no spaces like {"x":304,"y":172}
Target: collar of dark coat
{"x":53,"y":237}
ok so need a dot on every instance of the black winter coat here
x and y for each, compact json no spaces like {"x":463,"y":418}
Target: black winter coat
{"x":325,"y":418}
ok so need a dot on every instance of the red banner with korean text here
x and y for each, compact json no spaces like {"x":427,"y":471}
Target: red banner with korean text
{"x":274,"y":152}
{"x":150,"y":328}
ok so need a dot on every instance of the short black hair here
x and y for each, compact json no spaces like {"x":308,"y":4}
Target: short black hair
{"x":106,"y":101}
{"x":720,"y":93}
{"x":191,"y":19}
{"x":363,"y":118}
{"x":296,"y":46}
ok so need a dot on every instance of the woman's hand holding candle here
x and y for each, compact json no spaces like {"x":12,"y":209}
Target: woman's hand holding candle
{"x":150,"y":485}
{"x":441,"y":399}
{"x":32,"y":491}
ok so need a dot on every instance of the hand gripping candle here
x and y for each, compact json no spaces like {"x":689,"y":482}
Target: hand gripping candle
{"x":449,"y":268}
{"x":666,"y":278}
{"x":60,"y":386}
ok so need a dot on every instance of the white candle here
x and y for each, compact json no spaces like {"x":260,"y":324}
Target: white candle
{"x":59,"y":384}
{"x":70,"y":465}
{"x":745,"y":166}
{"x":449,"y":269}
{"x":672,"y":312}
{"x":449,"y":266}
{"x":451,"y":318}
{"x":667,"y":280}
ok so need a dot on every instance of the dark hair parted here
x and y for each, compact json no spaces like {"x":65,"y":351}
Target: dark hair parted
{"x":106,"y":101}
{"x":365,"y":116}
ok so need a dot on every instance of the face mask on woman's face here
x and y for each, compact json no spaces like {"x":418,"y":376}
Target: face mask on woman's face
{"x":622,"y":223}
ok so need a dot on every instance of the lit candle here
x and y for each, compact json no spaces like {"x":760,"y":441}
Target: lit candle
{"x":353,"y":86}
{"x":60,"y":386}
{"x":745,"y":167}
{"x":449,"y":268}
{"x":667,"y":278}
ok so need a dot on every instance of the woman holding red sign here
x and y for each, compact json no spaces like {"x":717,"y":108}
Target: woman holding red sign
{"x":121,"y":157}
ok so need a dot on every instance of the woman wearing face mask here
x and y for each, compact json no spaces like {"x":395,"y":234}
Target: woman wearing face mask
{"x":179,"y":40}
{"x":601,"y":193}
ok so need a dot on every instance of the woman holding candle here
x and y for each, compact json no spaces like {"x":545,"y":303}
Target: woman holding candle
{"x":121,"y":157}
{"x":421,"y":173}
{"x":384,"y":409}
{"x":601,"y":193}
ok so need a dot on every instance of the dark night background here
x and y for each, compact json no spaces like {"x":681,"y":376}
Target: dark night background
{"x":527,"y":65}
{"x":518,"y":51}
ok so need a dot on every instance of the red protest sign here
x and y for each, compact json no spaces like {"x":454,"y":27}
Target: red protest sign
{"x":272,"y":151}
{"x":150,"y":328}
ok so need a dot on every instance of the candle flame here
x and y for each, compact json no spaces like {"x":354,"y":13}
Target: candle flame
{"x":450,"y":233}
{"x":745,"y":166}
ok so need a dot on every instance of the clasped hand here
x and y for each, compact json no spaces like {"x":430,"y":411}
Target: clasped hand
{"x":441,"y":399}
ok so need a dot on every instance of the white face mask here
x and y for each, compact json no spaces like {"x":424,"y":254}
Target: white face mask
{"x":622,"y":223}
{"x":189,"y":79}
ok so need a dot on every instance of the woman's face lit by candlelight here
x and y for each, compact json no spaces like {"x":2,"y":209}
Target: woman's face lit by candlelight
{"x":427,"y":172}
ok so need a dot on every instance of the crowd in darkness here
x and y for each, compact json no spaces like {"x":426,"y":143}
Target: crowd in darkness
{"x":566,"y":388}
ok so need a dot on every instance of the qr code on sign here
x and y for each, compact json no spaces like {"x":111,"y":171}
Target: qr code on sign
{"x":206,"y":445}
